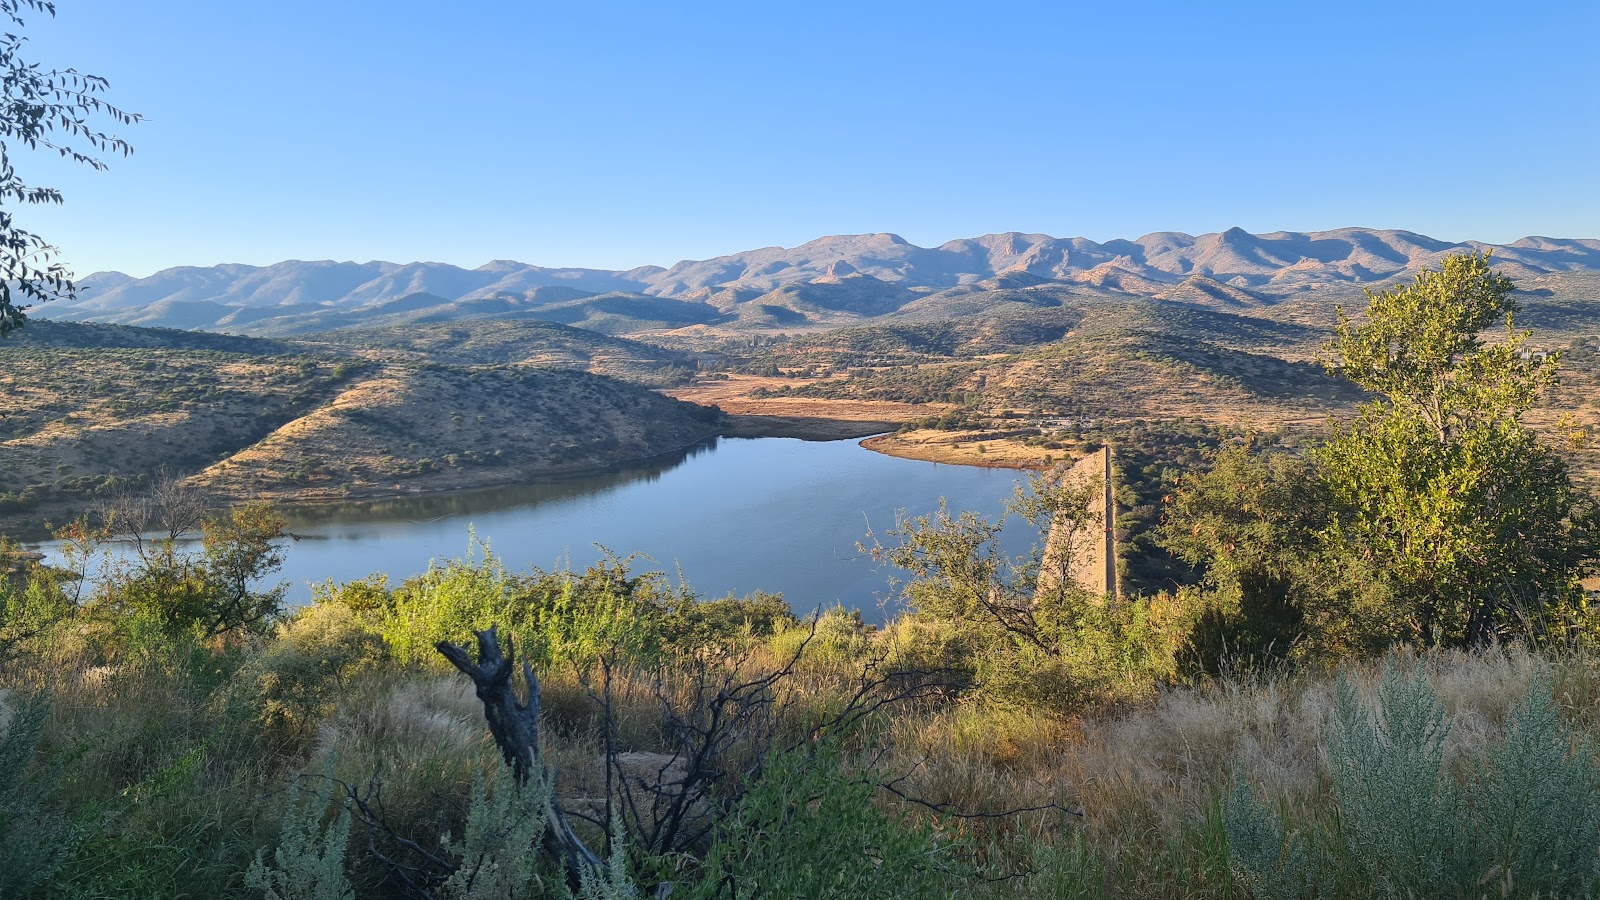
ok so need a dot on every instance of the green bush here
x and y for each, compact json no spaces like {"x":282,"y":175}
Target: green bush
{"x":291,"y":684}
{"x":1537,"y":803}
{"x":1401,"y":824}
{"x":32,"y":603}
{"x":559,"y":618}
{"x":555,"y":617}
{"x":308,"y":863}
{"x":1025,"y":631}
{"x":839,"y":636}
{"x":206,"y":594}
{"x":808,"y":828}
{"x":689,"y":624}
{"x":505,"y":821}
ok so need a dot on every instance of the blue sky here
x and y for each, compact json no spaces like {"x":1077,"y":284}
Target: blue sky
{"x":621,"y":134}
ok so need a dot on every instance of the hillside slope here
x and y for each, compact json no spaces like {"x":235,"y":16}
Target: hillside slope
{"x":523,"y":343}
{"x":429,"y":427}
{"x":92,"y":410}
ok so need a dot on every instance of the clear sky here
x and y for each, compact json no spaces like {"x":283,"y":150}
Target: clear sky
{"x":616,"y":134}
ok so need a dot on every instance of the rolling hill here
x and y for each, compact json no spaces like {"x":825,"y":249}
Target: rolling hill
{"x":476,"y":342}
{"x":826,"y":282}
{"x":94,"y":409}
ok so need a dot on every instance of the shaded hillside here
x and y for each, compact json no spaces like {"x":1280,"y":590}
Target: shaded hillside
{"x":616,"y":313}
{"x":1557,"y":306}
{"x":82,"y":421}
{"x":1016,"y":329}
{"x":44,"y":333}
{"x":610,"y":313}
{"x":1202,"y":291}
{"x":523,"y":343}
{"x":1116,"y":374}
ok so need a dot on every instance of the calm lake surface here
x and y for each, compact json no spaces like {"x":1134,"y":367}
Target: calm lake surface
{"x":734,"y":515}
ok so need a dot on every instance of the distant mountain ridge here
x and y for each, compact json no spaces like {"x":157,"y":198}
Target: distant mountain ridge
{"x":832,"y":278}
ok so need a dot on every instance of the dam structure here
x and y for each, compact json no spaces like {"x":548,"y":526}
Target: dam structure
{"x":1082,"y":545}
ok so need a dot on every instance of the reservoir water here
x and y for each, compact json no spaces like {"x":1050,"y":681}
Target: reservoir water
{"x":733,"y":515}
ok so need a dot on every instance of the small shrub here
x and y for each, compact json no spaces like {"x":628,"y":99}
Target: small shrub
{"x":1403,"y":827}
{"x":308,"y":863}
{"x":1537,"y":803}
{"x":34,"y":839}
{"x":288,"y":687}
{"x":1272,"y":860}
{"x":1398,"y":807}
{"x":809,"y":829}
{"x":504,"y":824}
{"x":839,"y":636}
{"x":613,"y":883}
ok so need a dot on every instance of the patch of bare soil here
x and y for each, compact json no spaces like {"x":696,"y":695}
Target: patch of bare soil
{"x":964,"y":448}
{"x":732,"y":394}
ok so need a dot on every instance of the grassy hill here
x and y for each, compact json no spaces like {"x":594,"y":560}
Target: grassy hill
{"x":1208,"y":354}
{"x":92,"y":409}
{"x":1116,"y":373}
{"x":433,"y":427}
{"x":522,"y":343}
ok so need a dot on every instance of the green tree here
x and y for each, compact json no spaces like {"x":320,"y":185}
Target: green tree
{"x":1249,"y":524}
{"x":1473,"y":522}
{"x":204,"y":594}
{"x":42,"y":109}
{"x":1272,"y":586}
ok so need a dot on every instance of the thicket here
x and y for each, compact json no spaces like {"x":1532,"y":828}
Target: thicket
{"x":179,"y":765}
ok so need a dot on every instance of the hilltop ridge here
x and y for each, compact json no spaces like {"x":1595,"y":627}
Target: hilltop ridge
{"x":823,"y":281}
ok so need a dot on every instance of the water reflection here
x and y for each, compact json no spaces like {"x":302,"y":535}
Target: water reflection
{"x":734,"y":516}
{"x":304,"y":520}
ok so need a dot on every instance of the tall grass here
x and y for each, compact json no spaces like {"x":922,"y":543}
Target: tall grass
{"x":172,"y":765}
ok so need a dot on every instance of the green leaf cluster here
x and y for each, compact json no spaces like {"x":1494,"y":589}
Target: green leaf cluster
{"x":1478,"y":527}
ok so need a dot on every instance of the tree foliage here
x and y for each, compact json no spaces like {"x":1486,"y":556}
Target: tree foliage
{"x":1250,"y":524}
{"x":1476,"y":522}
{"x":54,"y":110}
{"x":1024,"y":628}
{"x":162,"y":582}
{"x":1435,"y":517}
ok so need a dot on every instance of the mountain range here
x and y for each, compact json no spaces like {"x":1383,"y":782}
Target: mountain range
{"x":829,"y":281}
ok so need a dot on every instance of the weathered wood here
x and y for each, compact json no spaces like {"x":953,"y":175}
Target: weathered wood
{"x":515,"y":726}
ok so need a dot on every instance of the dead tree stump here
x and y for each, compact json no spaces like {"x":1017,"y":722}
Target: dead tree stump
{"x":515,"y":726}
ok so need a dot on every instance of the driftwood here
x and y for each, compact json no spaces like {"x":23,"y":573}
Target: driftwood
{"x":515,"y":726}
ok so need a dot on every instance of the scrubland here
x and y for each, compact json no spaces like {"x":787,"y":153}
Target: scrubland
{"x":164,"y":761}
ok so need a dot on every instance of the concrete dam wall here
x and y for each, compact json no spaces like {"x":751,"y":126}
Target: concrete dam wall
{"x":1082,"y":547}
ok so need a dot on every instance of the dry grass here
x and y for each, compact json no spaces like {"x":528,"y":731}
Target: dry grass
{"x":153,"y":748}
{"x":732,"y":394}
{"x":964,"y":448}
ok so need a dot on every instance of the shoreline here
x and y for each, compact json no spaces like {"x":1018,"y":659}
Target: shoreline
{"x":878,"y":436}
